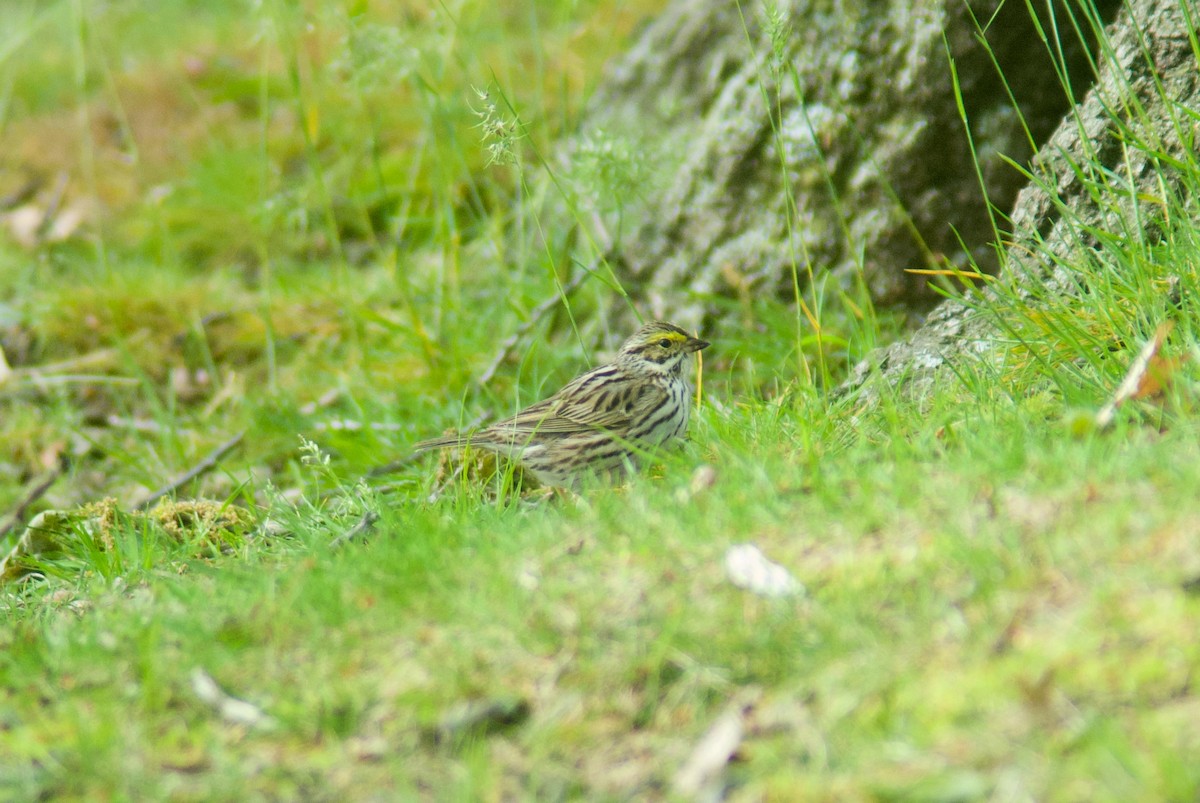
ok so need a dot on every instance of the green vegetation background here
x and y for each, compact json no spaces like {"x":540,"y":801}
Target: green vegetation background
{"x":317,"y":221}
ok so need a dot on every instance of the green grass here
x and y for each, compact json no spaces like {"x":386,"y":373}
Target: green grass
{"x":1001,"y":597}
{"x":978,"y":613}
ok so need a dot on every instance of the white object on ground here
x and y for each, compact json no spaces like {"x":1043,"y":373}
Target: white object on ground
{"x":749,"y":569}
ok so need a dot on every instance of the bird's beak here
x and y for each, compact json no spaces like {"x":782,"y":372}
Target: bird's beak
{"x":695,"y":344}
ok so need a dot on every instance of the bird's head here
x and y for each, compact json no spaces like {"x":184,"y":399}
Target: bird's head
{"x":658,"y":348}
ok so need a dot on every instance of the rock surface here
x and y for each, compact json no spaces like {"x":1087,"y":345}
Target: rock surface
{"x":1133,"y":112}
{"x":823,"y":140}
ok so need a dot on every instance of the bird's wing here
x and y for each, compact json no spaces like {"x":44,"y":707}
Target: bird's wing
{"x":589,"y":402}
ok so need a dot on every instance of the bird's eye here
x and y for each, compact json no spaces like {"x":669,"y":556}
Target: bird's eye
{"x":664,"y":344}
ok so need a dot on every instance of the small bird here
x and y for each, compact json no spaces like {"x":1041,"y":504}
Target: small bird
{"x":601,"y":421}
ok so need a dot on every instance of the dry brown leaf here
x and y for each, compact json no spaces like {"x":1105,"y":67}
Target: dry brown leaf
{"x":1160,"y":373}
{"x":1135,"y":376}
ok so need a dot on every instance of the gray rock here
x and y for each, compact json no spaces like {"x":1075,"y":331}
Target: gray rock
{"x":1132,"y":113}
{"x":823,"y":138}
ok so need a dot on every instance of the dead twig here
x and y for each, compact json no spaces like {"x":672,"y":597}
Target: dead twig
{"x":394,"y":465}
{"x":349,"y":425}
{"x":326,"y":399}
{"x":539,"y":312}
{"x":52,"y":205}
{"x":205,"y":465}
{"x":360,"y":529}
{"x":36,"y":491}
{"x":702,"y":777}
{"x":61,"y":372}
{"x":21,"y":194}
{"x":454,"y":475}
{"x":136,"y":424}
{"x":479,"y":718}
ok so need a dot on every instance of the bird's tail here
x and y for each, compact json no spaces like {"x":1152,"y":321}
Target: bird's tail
{"x":439,"y":443}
